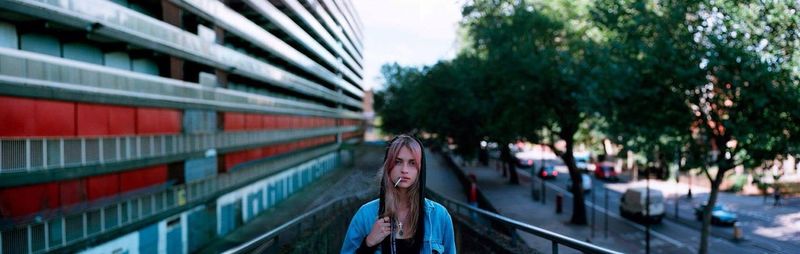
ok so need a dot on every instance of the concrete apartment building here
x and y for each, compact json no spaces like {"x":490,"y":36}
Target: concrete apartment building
{"x":154,"y":126}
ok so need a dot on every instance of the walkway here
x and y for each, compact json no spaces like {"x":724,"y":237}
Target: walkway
{"x":515,"y":202}
{"x":343,"y":181}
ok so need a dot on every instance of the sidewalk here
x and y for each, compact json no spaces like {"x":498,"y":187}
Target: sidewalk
{"x":441,"y":179}
{"x":515,"y":201}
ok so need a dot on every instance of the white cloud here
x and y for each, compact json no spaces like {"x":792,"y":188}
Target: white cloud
{"x":410,"y":32}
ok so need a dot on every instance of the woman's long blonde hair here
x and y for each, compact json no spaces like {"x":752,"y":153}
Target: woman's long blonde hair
{"x":391,"y":193}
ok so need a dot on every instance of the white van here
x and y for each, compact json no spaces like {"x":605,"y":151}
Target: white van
{"x":632,"y":204}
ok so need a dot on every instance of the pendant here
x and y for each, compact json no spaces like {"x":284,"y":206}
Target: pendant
{"x":400,"y":227}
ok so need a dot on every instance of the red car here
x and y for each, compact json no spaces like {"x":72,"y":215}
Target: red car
{"x":605,"y":170}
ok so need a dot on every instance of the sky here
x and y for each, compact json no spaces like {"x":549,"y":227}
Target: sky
{"x":409,"y":32}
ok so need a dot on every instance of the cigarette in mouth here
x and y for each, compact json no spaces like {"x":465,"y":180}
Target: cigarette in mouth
{"x":398,"y":181}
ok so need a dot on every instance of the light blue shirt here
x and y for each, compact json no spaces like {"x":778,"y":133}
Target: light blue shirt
{"x":438,"y":228}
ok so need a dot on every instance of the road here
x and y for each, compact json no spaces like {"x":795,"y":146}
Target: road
{"x":683,"y":230}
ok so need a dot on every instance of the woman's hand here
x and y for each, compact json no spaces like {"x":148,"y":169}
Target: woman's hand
{"x":380,"y":230}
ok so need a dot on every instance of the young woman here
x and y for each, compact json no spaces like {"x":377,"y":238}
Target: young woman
{"x":402,"y":220}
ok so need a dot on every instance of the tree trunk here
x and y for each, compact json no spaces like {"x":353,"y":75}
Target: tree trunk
{"x":578,"y":205}
{"x":712,"y":200}
{"x":509,"y":161}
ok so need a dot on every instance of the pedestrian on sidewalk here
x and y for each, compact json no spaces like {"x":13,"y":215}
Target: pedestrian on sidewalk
{"x":777,"y":195}
{"x":401,"y":220}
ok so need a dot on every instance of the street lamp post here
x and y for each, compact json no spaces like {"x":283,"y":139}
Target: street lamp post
{"x":647,"y":211}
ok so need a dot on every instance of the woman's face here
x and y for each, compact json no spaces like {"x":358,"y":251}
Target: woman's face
{"x":405,"y":168}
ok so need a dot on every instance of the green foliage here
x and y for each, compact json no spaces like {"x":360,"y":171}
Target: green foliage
{"x":663,"y":78}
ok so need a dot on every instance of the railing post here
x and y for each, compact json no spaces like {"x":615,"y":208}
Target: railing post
{"x":30,"y":241}
{"x":117,"y":143}
{"x":61,"y":151}
{"x":100,"y":149}
{"x":46,"y":236}
{"x":555,"y":247}
{"x":83,"y":150}
{"x":27,"y":155}
{"x":44,"y":154}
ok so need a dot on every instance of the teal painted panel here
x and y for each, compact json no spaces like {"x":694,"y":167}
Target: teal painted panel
{"x":254,"y":200}
{"x":119,"y":60}
{"x":8,"y":36}
{"x":56,"y":236}
{"x":40,"y":43}
{"x":199,"y":229}
{"x":174,"y":240}
{"x":145,"y":66}
{"x":148,"y":239}
{"x":199,"y":121}
{"x":271,"y":194}
{"x":83,"y":52}
{"x":230,"y":217}
{"x":226,"y":221}
{"x":200,"y":168}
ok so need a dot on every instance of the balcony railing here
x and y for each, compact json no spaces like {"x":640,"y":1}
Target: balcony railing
{"x":48,"y":234}
{"x":317,"y":27}
{"x":33,"y":74}
{"x":118,"y":22}
{"x":18,"y":155}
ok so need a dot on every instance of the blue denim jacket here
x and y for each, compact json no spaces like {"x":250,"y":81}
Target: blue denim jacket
{"x":438,"y":228}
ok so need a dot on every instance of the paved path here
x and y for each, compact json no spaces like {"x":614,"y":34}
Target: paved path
{"x":340,"y":182}
{"x":441,"y":178}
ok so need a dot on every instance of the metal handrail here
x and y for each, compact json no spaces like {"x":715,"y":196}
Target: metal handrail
{"x":555,"y":238}
{"x":258,"y":242}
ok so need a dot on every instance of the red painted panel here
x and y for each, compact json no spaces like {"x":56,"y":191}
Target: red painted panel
{"x":15,"y":116}
{"x":140,"y":178}
{"x":157,"y":121}
{"x":278,"y":121}
{"x":235,"y":158}
{"x":233,"y":121}
{"x":268,"y":122}
{"x":172,"y":120}
{"x":252,"y":122}
{"x":122,"y":120}
{"x":230,"y":160}
{"x":55,"y":118}
{"x":147,"y":120}
{"x":253,"y":154}
{"x":92,"y":119}
{"x":102,"y":186}
{"x":24,"y":200}
{"x":72,"y":192}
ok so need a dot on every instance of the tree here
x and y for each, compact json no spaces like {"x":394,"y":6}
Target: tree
{"x":715,"y":90}
{"x":545,"y":54}
{"x":400,"y":86}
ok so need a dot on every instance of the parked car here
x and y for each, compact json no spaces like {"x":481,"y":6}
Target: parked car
{"x":633,"y":205}
{"x":548,"y":172}
{"x":524,"y":162}
{"x":586,"y":183}
{"x":720,"y":215}
{"x":605,"y":170}
{"x":582,"y":161}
